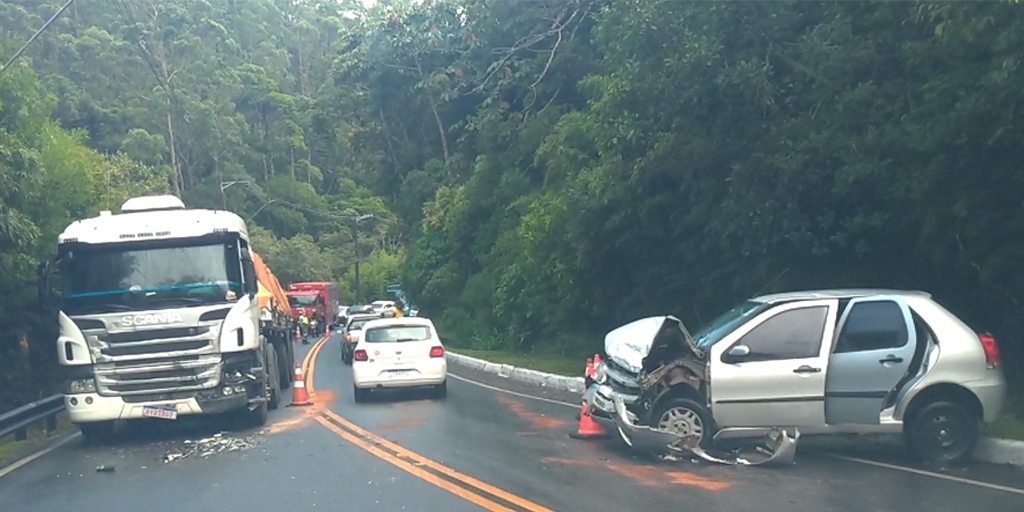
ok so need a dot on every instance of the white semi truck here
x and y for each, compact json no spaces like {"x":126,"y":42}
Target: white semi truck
{"x":159,"y":317}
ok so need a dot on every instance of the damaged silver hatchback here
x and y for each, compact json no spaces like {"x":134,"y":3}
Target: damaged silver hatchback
{"x":801,"y":363}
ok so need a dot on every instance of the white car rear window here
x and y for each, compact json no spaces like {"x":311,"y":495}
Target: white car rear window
{"x":397,"y":333}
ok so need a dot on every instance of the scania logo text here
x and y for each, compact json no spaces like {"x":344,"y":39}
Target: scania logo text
{"x":160,"y":318}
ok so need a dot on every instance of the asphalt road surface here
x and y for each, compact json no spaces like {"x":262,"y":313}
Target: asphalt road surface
{"x":491,"y":445}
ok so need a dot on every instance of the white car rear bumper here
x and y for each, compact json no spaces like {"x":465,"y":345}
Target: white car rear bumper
{"x":421,"y":373}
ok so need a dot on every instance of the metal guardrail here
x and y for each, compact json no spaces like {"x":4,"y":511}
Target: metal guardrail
{"x":41,"y":411}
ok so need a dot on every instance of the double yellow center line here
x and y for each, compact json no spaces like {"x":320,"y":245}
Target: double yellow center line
{"x":464,"y":486}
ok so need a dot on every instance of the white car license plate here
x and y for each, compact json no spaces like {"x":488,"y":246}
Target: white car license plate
{"x":163,"y":413}
{"x":397,"y":374}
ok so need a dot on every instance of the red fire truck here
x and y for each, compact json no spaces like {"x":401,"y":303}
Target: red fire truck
{"x":318,"y":300}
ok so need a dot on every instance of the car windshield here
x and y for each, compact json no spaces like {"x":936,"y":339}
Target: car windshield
{"x":357,"y":325}
{"x":301,"y":301}
{"x":714,"y":331}
{"x":396,"y":334}
{"x":136,"y":277}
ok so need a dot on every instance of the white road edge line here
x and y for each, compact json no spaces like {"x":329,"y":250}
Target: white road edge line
{"x":919,"y":472}
{"x":13,"y":467}
{"x":922,"y":472}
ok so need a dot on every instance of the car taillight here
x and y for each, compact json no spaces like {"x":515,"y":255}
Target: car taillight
{"x":991,"y":350}
{"x":360,"y":355}
{"x":436,"y":352}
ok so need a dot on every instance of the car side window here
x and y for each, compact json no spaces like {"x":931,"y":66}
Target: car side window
{"x":793,"y":334}
{"x":873,"y":325}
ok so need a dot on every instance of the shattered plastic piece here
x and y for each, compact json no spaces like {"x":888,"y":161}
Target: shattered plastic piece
{"x":104,"y":469}
{"x":218,"y":443}
{"x":777,"y":448}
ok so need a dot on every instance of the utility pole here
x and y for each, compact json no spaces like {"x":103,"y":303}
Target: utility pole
{"x":224,"y":185}
{"x":355,"y":247}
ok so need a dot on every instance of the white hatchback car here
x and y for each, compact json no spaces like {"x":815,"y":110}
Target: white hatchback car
{"x":399,"y":353}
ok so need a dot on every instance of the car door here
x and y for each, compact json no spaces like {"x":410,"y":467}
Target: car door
{"x":872,"y":352}
{"x":780,"y":382}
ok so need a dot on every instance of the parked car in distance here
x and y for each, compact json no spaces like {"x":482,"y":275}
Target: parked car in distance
{"x":384,"y":308}
{"x":351,"y":334}
{"x":825,"y":362}
{"x":399,"y":353}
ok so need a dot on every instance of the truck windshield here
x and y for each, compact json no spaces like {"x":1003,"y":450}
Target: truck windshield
{"x":302,"y":301}
{"x":123,"y":277}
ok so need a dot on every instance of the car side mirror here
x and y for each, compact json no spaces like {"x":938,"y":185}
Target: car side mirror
{"x":736,"y":353}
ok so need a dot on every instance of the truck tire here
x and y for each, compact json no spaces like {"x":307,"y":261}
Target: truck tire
{"x":97,"y":432}
{"x":284,"y":365}
{"x":273,"y":379}
{"x":256,"y":417}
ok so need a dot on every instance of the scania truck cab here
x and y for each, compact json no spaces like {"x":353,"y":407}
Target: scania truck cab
{"x":159,"y":317}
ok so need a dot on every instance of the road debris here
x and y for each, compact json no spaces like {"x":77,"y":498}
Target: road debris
{"x":104,"y":469}
{"x":207,"y":446}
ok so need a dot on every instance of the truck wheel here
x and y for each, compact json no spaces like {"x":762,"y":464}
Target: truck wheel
{"x":273,"y":380}
{"x":943,"y":433}
{"x":97,"y":432}
{"x":284,"y":368}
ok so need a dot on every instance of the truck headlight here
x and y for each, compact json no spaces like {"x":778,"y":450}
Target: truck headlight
{"x":600,"y":374}
{"x":74,"y":387}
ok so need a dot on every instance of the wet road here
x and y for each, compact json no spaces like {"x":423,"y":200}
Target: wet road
{"x":491,"y":445}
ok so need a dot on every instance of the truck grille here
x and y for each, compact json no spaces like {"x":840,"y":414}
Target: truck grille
{"x":168,"y":361}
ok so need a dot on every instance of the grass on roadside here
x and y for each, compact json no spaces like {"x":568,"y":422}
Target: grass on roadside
{"x":1010,"y":424}
{"x":11,"y":450}
{"x":551,"y":363}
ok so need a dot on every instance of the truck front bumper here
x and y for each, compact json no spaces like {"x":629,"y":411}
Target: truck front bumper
{"x":91,"y":407}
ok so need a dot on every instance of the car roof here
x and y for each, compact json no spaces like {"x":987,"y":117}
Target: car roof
{"x":837,"y":293}
{"x":416,"y":321}
{"x":363,"y":316}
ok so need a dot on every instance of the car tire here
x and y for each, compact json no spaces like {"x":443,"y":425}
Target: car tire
{"x":360,"y":395}
{"x":97,"y":432}
{"x":441,"y":390}
{"x":942,"y":432}
{"x":683,"y":415}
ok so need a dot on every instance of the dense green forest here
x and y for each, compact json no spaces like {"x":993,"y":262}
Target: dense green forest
{"x":538,"y":171}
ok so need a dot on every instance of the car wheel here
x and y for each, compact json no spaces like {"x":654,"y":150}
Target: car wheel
{"x":97,"y":432}
{"x":943,"y":433}
{"x":360,"y":395}
{"x":684,"y":417}
{"x":441,"y":390}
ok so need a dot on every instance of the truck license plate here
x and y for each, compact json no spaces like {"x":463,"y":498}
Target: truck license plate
{"x":163,"y":413}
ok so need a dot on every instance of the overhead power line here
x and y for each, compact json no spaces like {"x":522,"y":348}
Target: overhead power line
{"x":34,"y":36}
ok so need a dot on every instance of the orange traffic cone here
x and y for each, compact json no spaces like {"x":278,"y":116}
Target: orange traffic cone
{"x":588,"y":429}
{"x":298,"y":334}
{"x":299,"y":395}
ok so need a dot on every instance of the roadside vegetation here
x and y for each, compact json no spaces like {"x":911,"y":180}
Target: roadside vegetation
{"x":539,"y":172}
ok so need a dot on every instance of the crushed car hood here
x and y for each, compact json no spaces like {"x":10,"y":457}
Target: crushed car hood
{"x":630,"y":344}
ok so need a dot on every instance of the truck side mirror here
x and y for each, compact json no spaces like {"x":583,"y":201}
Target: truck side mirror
{"x":43,"y":285}
{"x":249,"y":274}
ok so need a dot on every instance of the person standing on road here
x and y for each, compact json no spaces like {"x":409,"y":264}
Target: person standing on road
{"x":399,"y":312}
{"x":304,"y":325}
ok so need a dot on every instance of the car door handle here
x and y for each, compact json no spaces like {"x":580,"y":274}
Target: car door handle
{"x":807,"y":369}
{"x":890,"y":359}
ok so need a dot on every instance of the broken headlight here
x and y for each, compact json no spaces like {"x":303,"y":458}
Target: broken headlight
{"x":600,"y":374}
